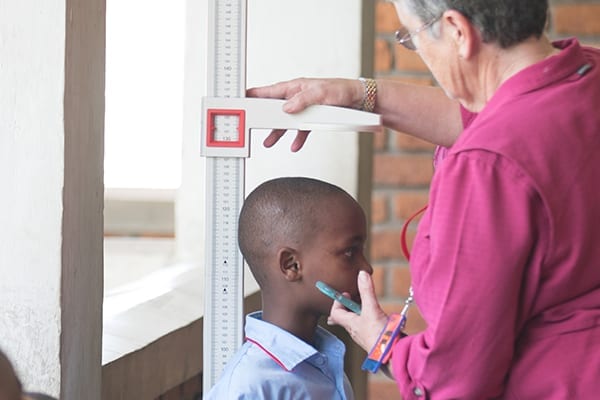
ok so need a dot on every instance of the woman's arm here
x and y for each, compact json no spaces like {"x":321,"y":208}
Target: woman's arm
{"x":421,"y":111}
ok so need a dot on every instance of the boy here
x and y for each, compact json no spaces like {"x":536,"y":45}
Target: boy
{"x":10,"y":385}
{"x":294,"y":232}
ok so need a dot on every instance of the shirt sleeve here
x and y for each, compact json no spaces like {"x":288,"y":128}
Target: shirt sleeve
{"x":468,"y":263}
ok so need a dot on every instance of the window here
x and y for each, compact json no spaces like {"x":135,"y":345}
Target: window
{"x":143,"y":125}
{"x":143,"y":135}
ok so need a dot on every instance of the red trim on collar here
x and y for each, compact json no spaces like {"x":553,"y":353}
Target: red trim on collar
{"x":268,"y":353}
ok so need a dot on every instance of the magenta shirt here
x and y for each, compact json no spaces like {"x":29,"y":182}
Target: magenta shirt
{"x":506,"y":262}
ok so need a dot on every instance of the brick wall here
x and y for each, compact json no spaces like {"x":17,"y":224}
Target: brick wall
{"x":402,"y":165}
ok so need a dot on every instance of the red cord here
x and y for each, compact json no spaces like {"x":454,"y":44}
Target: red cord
{"x":403,"y":234}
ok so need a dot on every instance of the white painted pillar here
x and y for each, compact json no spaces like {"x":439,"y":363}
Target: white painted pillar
{"x":51,"y":196}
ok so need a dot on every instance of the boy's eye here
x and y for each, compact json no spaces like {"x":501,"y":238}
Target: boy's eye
{"x":350,"y":252}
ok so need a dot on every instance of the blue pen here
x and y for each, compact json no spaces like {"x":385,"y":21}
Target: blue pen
{"x":334,"y":294}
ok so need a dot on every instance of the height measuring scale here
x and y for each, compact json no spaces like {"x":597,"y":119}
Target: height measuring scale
{"x":225,"y":169}
{"x":228,"y":118}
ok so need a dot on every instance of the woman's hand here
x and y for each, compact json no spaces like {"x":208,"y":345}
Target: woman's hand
{"x":304,"y":92}
{"x":366,"y":327}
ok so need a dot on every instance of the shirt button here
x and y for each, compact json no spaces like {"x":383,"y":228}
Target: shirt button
{"x":418,"y":392}
{"x":320,"y":361}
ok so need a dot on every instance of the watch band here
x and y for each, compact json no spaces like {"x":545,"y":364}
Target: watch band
{"x":370,"y":86}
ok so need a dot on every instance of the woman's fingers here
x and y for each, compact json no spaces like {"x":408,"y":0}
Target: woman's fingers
{"x":276,"y":134}
{"x":273,"y":137}
{"x":299,"y":140}
{"x":275,"y":91}
{"x":363,"y":329}
{"x":366,"y":289}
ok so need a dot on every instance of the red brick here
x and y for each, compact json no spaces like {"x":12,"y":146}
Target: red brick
{"x":413,"y":170}
{"x":379,"y":209}
{"x":410,"y":238}
{"x":379,"y":273}
{"x":410,"y":143}
{"x":408,"y":60}
{"x":390,"y":307}
{"x":380,"y":140}
{"x":423,"y":80}
{"x":414,"y":321}
{"x":591,"y":44}
{"x":582,"y":18}
{"x":386,"y":18}
{"x":400,"y":281}
{"x":385,"y":245}
{"x":383,"y":56}
{"x":406,"y":203}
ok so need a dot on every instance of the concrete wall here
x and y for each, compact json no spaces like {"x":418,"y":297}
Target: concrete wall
{"x":51,"y":153}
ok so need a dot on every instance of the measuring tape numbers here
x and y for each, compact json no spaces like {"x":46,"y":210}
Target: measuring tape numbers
{"x":225,"y":146}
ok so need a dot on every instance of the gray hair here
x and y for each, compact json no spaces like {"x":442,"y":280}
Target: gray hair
{"x":505,"y":22}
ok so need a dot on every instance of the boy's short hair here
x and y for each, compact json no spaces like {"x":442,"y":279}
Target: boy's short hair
{"x":287,"y":208}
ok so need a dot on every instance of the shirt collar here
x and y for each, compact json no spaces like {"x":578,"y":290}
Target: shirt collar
{"x":544,"y":73}
{"x":286,"y":349}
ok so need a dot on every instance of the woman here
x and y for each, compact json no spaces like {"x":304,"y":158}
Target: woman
{"x":506,"y":264}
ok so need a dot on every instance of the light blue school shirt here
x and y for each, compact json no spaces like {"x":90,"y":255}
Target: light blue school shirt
{"x":276,"y":365}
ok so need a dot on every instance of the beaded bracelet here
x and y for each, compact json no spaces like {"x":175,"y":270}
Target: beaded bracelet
{"x":370,"y":86}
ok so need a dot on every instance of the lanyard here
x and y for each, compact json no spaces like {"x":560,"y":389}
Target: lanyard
{"x":382,"y":349}
{"x":403,"y":233}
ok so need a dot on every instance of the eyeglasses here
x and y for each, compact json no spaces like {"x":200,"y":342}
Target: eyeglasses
{"x":405,"y":37}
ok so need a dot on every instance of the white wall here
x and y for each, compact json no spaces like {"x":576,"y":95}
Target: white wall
{"x":309,"y":38}
{"x":51,"y":97}
{"x":32,"y":80}
{"x":286,"y":39}
{"x":144,"y":85}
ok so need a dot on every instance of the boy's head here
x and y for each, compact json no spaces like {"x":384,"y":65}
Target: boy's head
{"x":296,"y":231}
{"x":10,"y":387}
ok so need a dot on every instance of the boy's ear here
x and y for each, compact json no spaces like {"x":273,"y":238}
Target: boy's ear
{"x":289,"y":263}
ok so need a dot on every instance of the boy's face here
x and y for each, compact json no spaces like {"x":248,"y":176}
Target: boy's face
{"x":336,"y":254}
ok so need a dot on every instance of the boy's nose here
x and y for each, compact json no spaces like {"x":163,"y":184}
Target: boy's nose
{"x":367,"y":268}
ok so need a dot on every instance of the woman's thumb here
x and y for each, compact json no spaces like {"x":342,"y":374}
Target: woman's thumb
{"x":366,"y":290}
